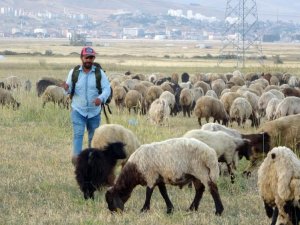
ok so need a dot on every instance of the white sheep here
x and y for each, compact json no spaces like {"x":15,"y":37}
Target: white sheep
{"x":169,"y":98}
{"x":263,"y":102}
{"x":110,"y":133}
{"x":228,"y":148}
{"x":240,"y":110}
{"x":176,"y":161}
{"x":260,"y":143}
{"x":159,"y":111}
{"x":288,"y":106}
{"x":271,"y":108}
{"x":57,"y":95}
{"x":279,"y":184}
{"x":12,"y":82}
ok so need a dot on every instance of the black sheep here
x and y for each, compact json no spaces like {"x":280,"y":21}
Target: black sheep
{"x":95,"y":167}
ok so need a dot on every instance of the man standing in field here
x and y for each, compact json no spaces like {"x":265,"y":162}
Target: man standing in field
{"x":87,"y":97}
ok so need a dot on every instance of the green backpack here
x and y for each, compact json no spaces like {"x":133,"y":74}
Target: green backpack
{"x":75,"y":75}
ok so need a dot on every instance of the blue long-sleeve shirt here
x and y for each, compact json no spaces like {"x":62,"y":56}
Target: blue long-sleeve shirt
{"x":86,"y":92}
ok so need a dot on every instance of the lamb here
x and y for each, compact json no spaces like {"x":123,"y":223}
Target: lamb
{"x":7,"y":99}
{"x":288,"y":106}
{"x":159,"y":111}
{"x":176,"y":161}
{"x":228,"y":148}
{"x":94,"y":167}
{"x":109,"y":133}
{"x":207,"y":107}
{"x":283,"y":131}
{"x":279,"y":185}
{"x":57,"y":95}
{"x":260,"y":143}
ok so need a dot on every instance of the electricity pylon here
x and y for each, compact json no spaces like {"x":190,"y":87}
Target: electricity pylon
{"x":241,"y":39}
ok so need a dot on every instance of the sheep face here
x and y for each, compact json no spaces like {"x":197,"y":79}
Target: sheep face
{"x":114,"y":201}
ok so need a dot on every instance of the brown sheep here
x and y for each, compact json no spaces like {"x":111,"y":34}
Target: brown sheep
{"x":133,"y":99}
{"x":186,"y":101}
{"x":207,"y":107}
{"x":283,"y":131}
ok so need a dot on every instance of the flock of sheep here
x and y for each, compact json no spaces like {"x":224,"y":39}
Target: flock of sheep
{"x":194,"y":157}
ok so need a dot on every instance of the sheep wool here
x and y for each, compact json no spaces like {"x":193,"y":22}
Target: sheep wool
{"x":279,"y":181}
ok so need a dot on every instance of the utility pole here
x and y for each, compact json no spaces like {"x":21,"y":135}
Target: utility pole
{"x":241,"y":38}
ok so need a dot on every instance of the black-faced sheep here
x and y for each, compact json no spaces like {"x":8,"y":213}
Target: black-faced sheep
{"x":279,"y":185}
{"x":260,"y":143}
{"x":228,"y":148}
{"x":94,"y":167}
{"x":7,"y":99}
{"x":109,"y":133}
{"x":176,"y":161}
{"x":207,"y":107}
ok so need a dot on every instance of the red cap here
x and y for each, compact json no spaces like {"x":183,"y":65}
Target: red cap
{"x":86,"y":51}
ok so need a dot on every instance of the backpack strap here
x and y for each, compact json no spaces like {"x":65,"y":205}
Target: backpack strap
{"x":75,"y":76}
{"x":98,"y":77}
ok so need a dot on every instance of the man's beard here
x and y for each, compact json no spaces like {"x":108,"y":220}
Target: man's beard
{"x":87,"y":65}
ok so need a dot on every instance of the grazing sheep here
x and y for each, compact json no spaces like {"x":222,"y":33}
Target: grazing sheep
{"x":218,"y":86}
{"x":263,"y":102}
{"x":237,"y":80}
{"x":175,"y":78}
{"x":205,"y":86}
{"x":288,"y":106}
{"x":57,"y":95}
{"x":207,"y":107}
{"x":166,"y":86}
{"x":271,"y":108}
{"x":212,"y":93}
{"x":279,"y":185}
{"x":119,"y":94}
{"x":94,"y":167}
{"x":270,"y":87}
{"x":43,"y":83}
{"x":186,"y":99}
{"x":153,"y":93}
{"x":170,"y":99}
{"x":12,"y":82}
{"x":109,"y":133}
{"x":7,"y":99}
{"x":228,"y":98}
{"x":294,"y":82}
{"x":241,"y":110}
{"x":260,"y":143}
{"x":228,"y":148}
{"x":133,"y":99}
{"x":159,"y":111}
{"x":283,"y":131}
{"x":176,"y":161}
{"x":288,"y":91}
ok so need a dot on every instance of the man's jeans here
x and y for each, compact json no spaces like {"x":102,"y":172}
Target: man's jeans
{"x":79,"y":124}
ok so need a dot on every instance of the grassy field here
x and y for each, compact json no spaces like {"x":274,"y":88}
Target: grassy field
{"x":37,"y":178}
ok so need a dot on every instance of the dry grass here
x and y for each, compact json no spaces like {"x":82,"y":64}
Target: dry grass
{"x":37,"y":178}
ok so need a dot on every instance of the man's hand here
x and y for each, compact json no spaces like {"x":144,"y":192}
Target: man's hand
{"x":97,"y":101}
{"x":65,"y":86}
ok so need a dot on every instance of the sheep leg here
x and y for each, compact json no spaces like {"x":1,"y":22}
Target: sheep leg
{"x":232,"y":176}
{"x":199,"y":121}
{"x":269,"y":210}
{"x":164,"y":194}
{"x":216,"y":196}
{"x":199,"y":188}
{"x":274,"y":216}
{"x":146,"y":206}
